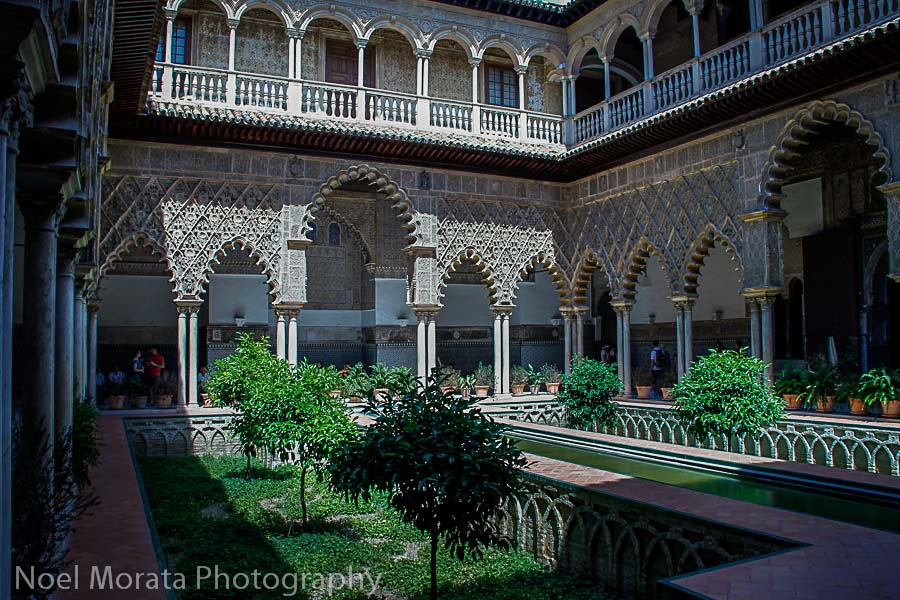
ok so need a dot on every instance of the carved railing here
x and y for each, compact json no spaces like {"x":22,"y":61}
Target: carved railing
{"x":456,"y":116}
{"x":391,"y":107}
{"x":201,"y":85}
{"x":862,"y":447}
{"x":724,"y":65}
{"x":329,"y":100}
{"x":503,"y":123}
{"x":546,"y":128}
{"x":261,"y":92}
{"x":673,"y":87}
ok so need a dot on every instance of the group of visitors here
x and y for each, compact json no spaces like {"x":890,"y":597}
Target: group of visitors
{"x":150,"y":373}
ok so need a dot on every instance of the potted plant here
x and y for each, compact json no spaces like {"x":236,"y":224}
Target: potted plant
{"x":535,"y":379}
{"x":138,"y":394}
{"x":790,"y":384}
{"x":380,"y":380}
{"x":465,"y":385}
{"x":847,"y":393}
{"x":451,"y":380}
{"x":880,"y":385}
{"x":518,"y":377}
{"x":667,"y":386}
{"x":820,"y":387}
{"x":484,"y":379}
{"x":117,"y":400}
{"x":164,"y":400}
{"x":552,"y":378}
{"x":644,"y":387}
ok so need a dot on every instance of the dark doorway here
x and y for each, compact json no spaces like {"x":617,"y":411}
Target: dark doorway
{"x":341,"y":60}
{"x":795,"y":320}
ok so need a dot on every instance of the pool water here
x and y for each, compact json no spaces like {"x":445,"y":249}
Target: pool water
{"x":811,"y":501}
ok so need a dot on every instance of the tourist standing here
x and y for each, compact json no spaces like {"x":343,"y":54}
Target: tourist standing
{"x":156,"y":364}
{"x":116,"y":379}
{"x":137,"y":367}
{"x":659,"y":364}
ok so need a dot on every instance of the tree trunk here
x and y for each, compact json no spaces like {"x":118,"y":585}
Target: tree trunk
{"x":434,"y":546}
{"x":303,"y":492}
{"x":248,"y":466}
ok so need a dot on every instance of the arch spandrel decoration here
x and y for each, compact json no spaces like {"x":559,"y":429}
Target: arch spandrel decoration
{"x":668,"y":216}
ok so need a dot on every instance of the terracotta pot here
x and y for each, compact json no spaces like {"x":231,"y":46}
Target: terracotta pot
{"x":891,"y":409}
{"x":164,"y":401}
{"x":139,"y":402}
{"x":552,"y":388}
{"x":792,"y":401}
{"x":643,"y":391}
{"x":335,"y":393}
{"x":666,"y":393}
{"x":447,"y":389}
{"x":518,"y":390}
{"x":825,"y":405}
{"x":481,"y":391}
{"x":381,"y":394}
{"x":857,"y":406}
{"x":466,"y":393}
{"x":117,"y":402}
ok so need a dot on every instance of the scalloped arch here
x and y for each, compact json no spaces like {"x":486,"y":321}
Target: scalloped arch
{"x":239,"y":243}
{"x":582,"y":274}
{"x":635,"y":265}
{"x":545,"y":259}
{"x":710,"y":237}
{"x":382,"y":184}
{"x":137,"y":239}
{"x":794,"y":138}
{"x":469,"y":255}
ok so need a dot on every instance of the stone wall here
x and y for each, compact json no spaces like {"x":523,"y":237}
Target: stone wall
{"x":262,"y":44}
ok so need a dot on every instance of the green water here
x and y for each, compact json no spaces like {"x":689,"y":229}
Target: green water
{"x":812,"y":503}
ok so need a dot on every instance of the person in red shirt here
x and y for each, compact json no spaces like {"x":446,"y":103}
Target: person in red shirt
{"x":156,"y":364}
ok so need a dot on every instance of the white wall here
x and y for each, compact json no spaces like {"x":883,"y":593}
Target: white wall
{"x":390,"y":303}
{"x":803,"y":203}
{"x":137,"y":300}
{"x":720,"y":288}
{"x":653,"y":295}
{"x":465,"y":305}
{"x":242,"y":295}
{"x":537,"y":302}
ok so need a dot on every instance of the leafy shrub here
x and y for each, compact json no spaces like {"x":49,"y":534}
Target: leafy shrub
{"x":790,"y":380}
{"x":484,"y":375}
{"x":85,"y":442}
{"x":445,"y":467}
{"x":551,"y":374}
{"x":879,"y":385}
{"x":587,"y":393}
{"x":535,"y":377}
{"x":518,"y":375}
{"x":726,"y":393}
{"x":821,"y":382}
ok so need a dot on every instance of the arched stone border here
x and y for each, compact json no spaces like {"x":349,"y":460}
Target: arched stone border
{"x":545,"y":260}
{"x":614,"y":30}
{"x":135,"y":240}
{"x":240,"y":243}
{"x":584,"y":271}
{"x":653,"y":11}
{"x":369,"y":254}
{"x":382,"y":184}
{"x":484,"y":269}
{"x":869,"y":272}
{"x":793,"y":139}
{"x":635,"y":266}
{"x":699,"y":250}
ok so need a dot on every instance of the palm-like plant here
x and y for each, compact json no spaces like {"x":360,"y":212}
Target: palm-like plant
{"x":878,"y":385}
{"x":820,"y":384}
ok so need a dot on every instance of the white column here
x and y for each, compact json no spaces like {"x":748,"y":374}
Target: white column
{"x":79,"y":347}
{"x":65,"y":339}
{"x":292,"y":56}
{"x":280,"y":335}
{"x":565,"y":97}
{"x":192,"y":356}
{"x":757,"y":18}
{"x":193,"y":390}
{"x":567,"y":343}
{"x":432,"y":343}
{"x":505,"y":331}
{"x":418,"y":74}
{"x":626,"y":348}
{"x":520,"y":71}
{"x":606,"y":87}
{"x":421,"y":346}
{"x":170,"y":27}
{"x":476,"y":109}
{"x":298,"y":56}
{"x":361,"y":61}
{"x":755,"y":329}
{"x":292,"y":337}
{"x":93,"y":309}
{"x":688,"y":336}
{"x":426,"y":60}
{"x":579,"y":333}
{"x":182,"y":356}
{"x":695,"y":27}
{"x":498,"y":352}
{"x":232,"y":42}
{"x":767,"y":335}
{"x":648,"y":56}
{"x":619,"y":341}
{"x":679,"y":338}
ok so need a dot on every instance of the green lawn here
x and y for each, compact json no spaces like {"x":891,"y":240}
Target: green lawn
{"x":208,"y":514}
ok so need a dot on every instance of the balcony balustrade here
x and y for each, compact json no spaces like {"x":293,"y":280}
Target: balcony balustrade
{"x":792,"y":35}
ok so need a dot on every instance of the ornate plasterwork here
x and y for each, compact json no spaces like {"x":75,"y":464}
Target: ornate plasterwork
{"x":503,"y":254}
{"x":617,"y":233}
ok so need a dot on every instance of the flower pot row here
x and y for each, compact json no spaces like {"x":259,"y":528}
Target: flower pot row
{"x":117,"y":402}
{"x":646,"y":391}
{"x":826,"y":386}
{"x":858,"y":406}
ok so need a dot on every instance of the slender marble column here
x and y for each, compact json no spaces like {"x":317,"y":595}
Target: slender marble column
{"x":64,"y":385}
{"x":567,"y":343}
{"x":93,"y":309}
{"x":361,"y":61}
{"x":688,"y":324}
{"x":232,"y":43}
{"x":7,"y":235}
{"x":755,"y":329}
{"x":432,"y":344}
{"x":39,"y":317}
{"x":498,"y":352}
{"x":606,"y":87}
{"x":626,"y":348}
{"x":421,"y":347}
{"x":425,"y":67}
{"x":182,"y":355}
{"x":505,"y":331}
{"x":579,"y":334}
{"x":280,"y":335}
{"x":767,"y":337}
{"x":679,"y":337}
{"x":620,"y":363}
{"x":192,"y":356}
{"x":79,"y":329}
{"x":292,"y":337}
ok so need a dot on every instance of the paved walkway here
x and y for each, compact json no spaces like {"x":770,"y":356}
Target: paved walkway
{"x":116,"y":534}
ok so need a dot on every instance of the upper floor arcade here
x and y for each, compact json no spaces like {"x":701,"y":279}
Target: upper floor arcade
{"x":476,"y":79}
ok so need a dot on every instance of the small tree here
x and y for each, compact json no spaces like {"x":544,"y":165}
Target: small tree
{"x":588,"y":391}
{"x":726,"y":393}
{"x":283,"y":409}
{"x":446,"y":467}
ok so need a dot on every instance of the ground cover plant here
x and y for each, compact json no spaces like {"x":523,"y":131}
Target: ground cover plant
{"x":208,"y":513}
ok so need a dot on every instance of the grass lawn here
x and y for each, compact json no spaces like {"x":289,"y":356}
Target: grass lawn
{"x":207,"y":513}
